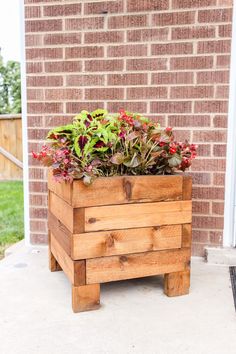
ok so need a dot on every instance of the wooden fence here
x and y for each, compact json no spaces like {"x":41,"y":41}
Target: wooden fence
{"x":11,"y":166}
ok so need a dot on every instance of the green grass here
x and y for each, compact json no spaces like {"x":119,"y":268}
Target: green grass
{"x":11,"y":214}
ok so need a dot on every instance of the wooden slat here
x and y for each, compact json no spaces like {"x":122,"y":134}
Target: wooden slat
{"x":61,"y":233}
{"x":177,"y":283}
{"x":137,"y":215}
{"x":105,"y":269}
{"x":75,"y":270}
{"x":86,"y":297}
{"x":118,"y":242}
{"x":119,"y":190}
{"x":187,"y":187}
{"x":187,"y":235}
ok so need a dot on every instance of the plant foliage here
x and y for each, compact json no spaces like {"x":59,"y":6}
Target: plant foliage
{"x":103,"y":144}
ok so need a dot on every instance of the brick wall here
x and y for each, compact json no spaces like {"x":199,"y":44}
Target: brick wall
{"x":168,"y":59}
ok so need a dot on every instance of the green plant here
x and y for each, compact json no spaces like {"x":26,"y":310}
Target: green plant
{"x":103,"y":144}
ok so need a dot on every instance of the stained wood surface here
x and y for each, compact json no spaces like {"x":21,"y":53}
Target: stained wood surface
{"x":86,"y":297}
{"x":187,"y":235}
{"x":119,"y":190}
{"x":105,"y":269}
{"x":137,"y":215}
{"x":60,"y":232}
{"x":177,"y":283}
{"x":54,"y":266}
{"x":187,"y":187}
{"x":75,"y":270}
{"x":118,"y":242}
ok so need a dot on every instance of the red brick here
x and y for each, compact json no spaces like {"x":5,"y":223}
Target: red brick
{"x":82,"y":24}
{"x":216,"y":237}
{"x":53,"y":121}
{"x":62,"y":10}
{"x":36,"y":225}
{"x":147,"y":5}
{"x":32,"y":11}
{"x":192,"y":92}
{"x":104,"y":65}
{"x":103,"y":7}
{"x":146,"y":64}
{"x":204,"y":150}
{"x":220,"y":121}
{"x":34,"y":121}
{"x":38,"y":239}
{"x":172,"y":78}
{"x":183,"y":4}
{"x":214,"y":46}
{"x":34,"y":68}
{"x":45,"y":107}
{"x":63,"y":94}
{"x":201,"y":178}
{"x":136,"y":50}
{"x":140,"y":107}
{"x":187,"y":63}
{"x":225,"y":3}
{"x":189,"y":121}
{"x":62,"y":38}
{"x":208,"y":165}
{"x":173,"y":18}
{"x":127,"y":21}
{"x":193,"y":32}
{"x":211,"y":107}
{"x":172,"y":48}
{"x":38,"y":200}
{"x":44,"y":53}
{"x":104,"y":37}
{"x":225,"y":31}
{"x":219,"y":150}
{"x":33,"y":40}
{"x":147,"y":35}
{"x":127,"y":79}
{"x":85,"y":80}
{"x":212,"y":77}
{"x":104,"y":94}
{"x":38,"y":213}
{"x":39,"y":187}
{"x":210,"y":136}
{"x":222,"y":92}
{"x":218,"y":208}
{"x":215,"y":15}
{"x":36,"y":173}
{"x":181,"y":135}
{"x":223,"y":61}
{"x":171,"y":107}
{"x":35,"y":94}
{"x":200,"y":236}
{"x":146,"y":92}
{"x":208,"y":222}
{"x":76,"y":107}
{"x":84,"y":52}
{"x":41,"y":81}
{"x":62,"y":66}
{"x":219,"y":179}
{"x":43,"y":25}
{"x":200,"y":207}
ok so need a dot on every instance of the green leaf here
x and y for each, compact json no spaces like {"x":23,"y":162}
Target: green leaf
{"x":174,"y":161}
{"x":76,"y":147}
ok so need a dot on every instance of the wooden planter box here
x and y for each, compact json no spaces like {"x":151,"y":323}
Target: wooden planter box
{"x":120,"y":228}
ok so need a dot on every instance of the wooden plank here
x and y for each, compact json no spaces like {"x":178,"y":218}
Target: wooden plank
{"x":62,"y":210}
{"x":187,"y":235}
{"x":86,"y":297}
{"x":119,"y":190}
{"x":75,"y":270}
{"x":118,"y":242}
{"x":177,"y":283}
{"x":105,"y":269}
{"x":54,"y":266}
{"x":63,"y":189}
{"x":187,"y":187}
{"x":61,"y":233}
{"x":137,"y":215}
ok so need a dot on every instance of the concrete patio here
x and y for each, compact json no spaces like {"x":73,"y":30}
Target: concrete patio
{"x":135,"y":316}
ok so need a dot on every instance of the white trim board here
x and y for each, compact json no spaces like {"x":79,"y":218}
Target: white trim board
{"x":230,"y":177}
{"x":24,"y":126}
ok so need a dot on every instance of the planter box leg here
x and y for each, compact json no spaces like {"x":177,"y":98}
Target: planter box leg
{"x":85,"y":297}
{"x":177,"y":283}
{"x":54,"y":266}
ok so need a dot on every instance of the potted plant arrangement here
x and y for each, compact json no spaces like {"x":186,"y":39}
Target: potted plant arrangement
{"x":122,"y":208}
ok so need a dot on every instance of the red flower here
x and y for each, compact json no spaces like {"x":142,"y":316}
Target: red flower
{"x":172,"y":150}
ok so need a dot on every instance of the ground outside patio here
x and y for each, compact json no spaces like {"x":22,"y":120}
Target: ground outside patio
{"x":135,"y":316}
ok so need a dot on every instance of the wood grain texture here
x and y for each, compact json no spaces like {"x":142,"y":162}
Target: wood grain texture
{"x":118,"y":242}
{"x":187,"y":235}
{"x":187,"y":187}
{"x":54,"y":266}
{"x":75,"y":270}
{"x":105,"y":269}
{"x":60,"y":232}
{"x":177,"y":283}
{"x":86,"y":297}
{"x":119,"y":190}
{"x":137,"y":215}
